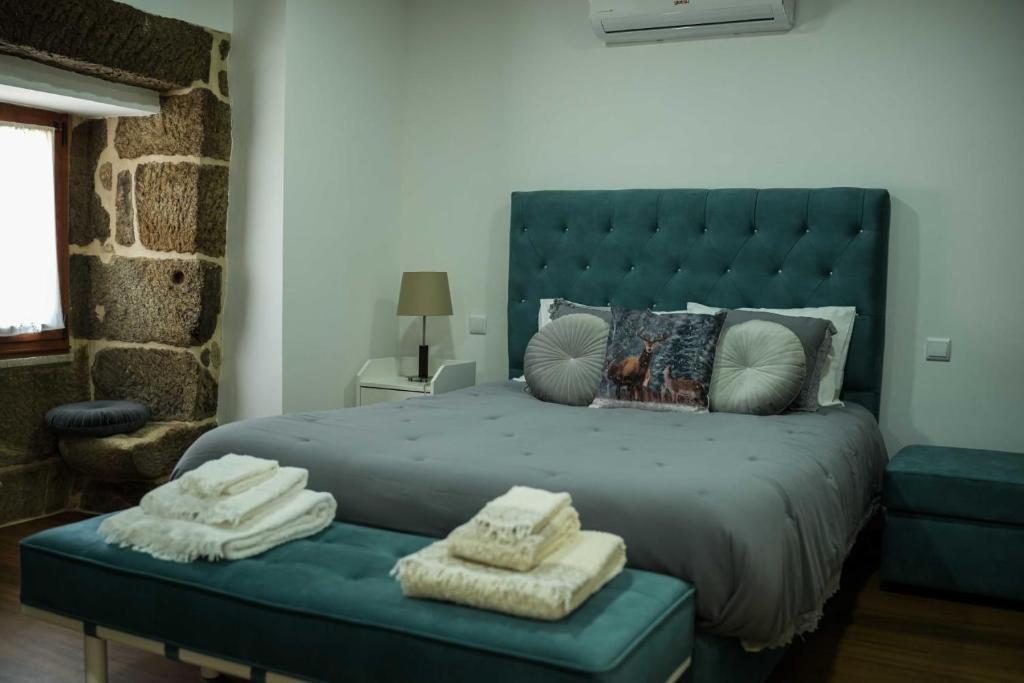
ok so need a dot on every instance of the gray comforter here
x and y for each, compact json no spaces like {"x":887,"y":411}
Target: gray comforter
{"x":757,"y":512}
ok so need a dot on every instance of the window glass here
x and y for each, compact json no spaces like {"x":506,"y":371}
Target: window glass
{"x":30,"y":298}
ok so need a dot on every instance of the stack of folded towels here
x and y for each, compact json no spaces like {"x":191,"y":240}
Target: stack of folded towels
{"x":227,"y":509}
{"x":522,"y":554}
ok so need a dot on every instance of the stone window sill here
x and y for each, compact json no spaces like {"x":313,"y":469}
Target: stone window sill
{"x":52,"y":359}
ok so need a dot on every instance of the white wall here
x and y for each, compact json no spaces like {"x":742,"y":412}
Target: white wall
{"x":215,"y":14}
{"x":345,"y":79}
{"x":250,"y":382}
{"x":923,"y":97}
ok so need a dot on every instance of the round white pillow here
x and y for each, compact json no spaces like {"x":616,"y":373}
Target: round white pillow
{"x":759,"y":369}
{"x":564,"y":361}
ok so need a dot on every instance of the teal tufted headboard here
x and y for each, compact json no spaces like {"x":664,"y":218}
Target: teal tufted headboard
{"x":785,"y":248}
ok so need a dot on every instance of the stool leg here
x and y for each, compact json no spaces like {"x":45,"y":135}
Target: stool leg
{"x":208,"y":674}
{"x":95,"y":660}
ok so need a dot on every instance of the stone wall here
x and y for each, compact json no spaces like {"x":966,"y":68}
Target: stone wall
{"x":33,"y":481}
{"x":147,"y":227}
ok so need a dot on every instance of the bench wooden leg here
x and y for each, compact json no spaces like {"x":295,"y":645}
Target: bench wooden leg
{"x":208,"y":674}
{"x":95,"y":660}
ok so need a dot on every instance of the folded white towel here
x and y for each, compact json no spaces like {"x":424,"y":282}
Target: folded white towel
{"x":301,"y":515}
{"x":521,"y":555}
{"x":173,"y":501}
{"x":556,"y":587}
{"x":518,"y":513}
{"x":227,"y":475}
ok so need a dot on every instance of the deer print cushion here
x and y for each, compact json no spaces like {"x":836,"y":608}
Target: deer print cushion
{"x":659,"y":361}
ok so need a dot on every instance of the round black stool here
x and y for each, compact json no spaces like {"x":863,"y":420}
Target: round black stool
{"x":97,"y":418}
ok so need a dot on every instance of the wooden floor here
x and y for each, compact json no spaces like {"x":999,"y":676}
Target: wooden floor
{"x":867,"y":635}
{"x":877,"y":636}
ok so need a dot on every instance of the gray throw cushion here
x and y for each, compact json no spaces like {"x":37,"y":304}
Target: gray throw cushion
{"x":562,"y":307}
{"x":759,"y":369}
{"x":815,"y":334}
{"x":564,"y":361}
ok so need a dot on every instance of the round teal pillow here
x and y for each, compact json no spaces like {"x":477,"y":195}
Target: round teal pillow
{"x":564,"y":361}
{"x":759,"y":369}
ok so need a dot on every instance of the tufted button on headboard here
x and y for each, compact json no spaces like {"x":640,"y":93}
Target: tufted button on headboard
{"x":780,"y":248}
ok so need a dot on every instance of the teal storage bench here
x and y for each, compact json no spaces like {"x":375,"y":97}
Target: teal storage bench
{"x":325,"y":609}
{"x":955,"y":521}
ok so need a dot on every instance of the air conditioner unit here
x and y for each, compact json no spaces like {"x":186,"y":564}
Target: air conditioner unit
{"x":637,"y":21}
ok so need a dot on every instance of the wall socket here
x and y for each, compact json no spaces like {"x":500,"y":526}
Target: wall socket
{"x":478,"y":324}
{"x":937,"y":348}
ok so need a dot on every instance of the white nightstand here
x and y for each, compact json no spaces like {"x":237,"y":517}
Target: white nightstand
{"x":387,"y":379}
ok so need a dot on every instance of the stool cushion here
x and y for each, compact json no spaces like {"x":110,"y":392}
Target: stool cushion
{"x":957,"y":482}
{"x":97,"y":418}
{"x":325,"y":608}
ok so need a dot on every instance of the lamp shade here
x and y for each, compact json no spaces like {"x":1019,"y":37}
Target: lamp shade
{"x":424,"y":293}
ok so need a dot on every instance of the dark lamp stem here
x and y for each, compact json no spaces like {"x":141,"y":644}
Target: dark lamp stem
{"x":423,"y":353}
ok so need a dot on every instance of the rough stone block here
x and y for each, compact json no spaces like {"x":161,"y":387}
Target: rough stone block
{"x":100,"y":497}
{"x":60,"y":487}
{"x":172,"y":301}
{"x":105,"y":175}
{"x":224,"y":48}
{"x":194,"y":124}
{"x":26,"y":393}
{"x":172,"y":384}
{"x":149,"y":453}
{"x":125,"y":221}
{"x":87,"y":218}
{"x":33,"y":490}
{"x":107,"y":39}
{"x":222,"y":82}
{"x":211,"y":356}
{"x":182,"y":207}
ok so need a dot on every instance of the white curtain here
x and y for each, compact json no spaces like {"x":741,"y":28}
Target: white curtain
{"x":29,"y":284}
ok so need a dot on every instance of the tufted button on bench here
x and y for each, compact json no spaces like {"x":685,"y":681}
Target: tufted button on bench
{"x":325,"y":609}
{"x":955,"y":520}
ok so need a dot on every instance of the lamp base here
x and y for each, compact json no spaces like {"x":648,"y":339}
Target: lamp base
{"x":422,"y":375}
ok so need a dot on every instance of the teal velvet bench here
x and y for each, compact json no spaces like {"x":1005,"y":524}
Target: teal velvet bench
{"x":955,"y":521}
{"x":325,"y":609}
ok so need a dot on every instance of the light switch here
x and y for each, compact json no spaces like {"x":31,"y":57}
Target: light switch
{"x":478,"y":324}
{"x":937,"y":348}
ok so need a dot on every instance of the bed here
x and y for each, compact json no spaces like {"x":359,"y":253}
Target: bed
{"x":758,"y":513}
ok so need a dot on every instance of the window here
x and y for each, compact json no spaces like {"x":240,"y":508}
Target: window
{"x":33,"y":231}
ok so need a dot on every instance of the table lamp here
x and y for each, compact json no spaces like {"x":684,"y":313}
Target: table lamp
{"x":423,"y":294}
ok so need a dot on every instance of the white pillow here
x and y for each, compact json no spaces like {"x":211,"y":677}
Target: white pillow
{"x":842,"y":317}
